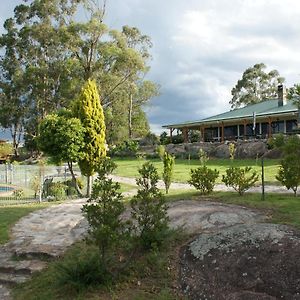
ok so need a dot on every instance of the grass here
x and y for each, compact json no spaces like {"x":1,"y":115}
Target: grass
{"x":129,"y":167}
{"x":9,"y":215}
{"x":150,"y":276}
{"x":281,"y":208}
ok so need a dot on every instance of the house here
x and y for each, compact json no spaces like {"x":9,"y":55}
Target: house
{"x":259,"y":120}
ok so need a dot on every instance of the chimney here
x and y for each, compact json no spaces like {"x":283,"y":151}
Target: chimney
{"x":282,"y":95}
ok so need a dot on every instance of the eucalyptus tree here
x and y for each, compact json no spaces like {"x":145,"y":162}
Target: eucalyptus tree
{"x":256,"y":85}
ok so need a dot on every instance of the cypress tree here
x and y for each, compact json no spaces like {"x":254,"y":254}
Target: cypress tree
{"x":89,"y":110}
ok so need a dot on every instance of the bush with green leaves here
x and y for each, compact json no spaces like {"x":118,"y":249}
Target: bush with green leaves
{"x":57,"y":190}
{"x":81,"y":269}
{"x":203,"y":157}
{"x":289,"y":171}
{"x":168,"y":161}
{"x":160,"y":150}
{"x":18,"y":194}
{"x":203,"y":179}
{"x":240,"y":179}
{"x":127,"y":148}
{"x":149,"y":209}
{"x":103,"y":211}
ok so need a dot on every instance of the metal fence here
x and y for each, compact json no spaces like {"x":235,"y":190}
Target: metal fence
{"x":30,"y":183}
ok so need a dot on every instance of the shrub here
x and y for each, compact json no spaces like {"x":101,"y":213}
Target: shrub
{"x":57,"y":190}
{"x":203,"y":157}
{"x":35,"y":184}
{"x":231,"y":151}
{"x":160,"y":150}
{"x":149,"y":209}
{"x":18,"y":194}
{"x":203,"y":179}
{"x":81,"y":269}
{"x":127,"y":148}
{"x":237,"y":179}
{"x":276,"y":141}
{"x":289,"y":172}
{"x":168,"y":161}
{"x":103,"y":212}
{"x":289,"y":175}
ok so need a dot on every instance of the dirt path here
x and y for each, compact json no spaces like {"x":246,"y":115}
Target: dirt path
{"x":218,"y":187}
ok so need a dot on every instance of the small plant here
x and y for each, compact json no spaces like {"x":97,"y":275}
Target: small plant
{"x":57,"y":190}
{"x":203,"y":179}
{"x":35,"y":184}
{"x":232,"y":151}
{"x":149,"y":209}
{"x":160,"y":150}
{"x":240,"y":179}
{"x":18,"y":194}
{"x":103,"y":212}
{"x":168,"y":161}
{"x":81,"y":269}
{"x":289,"y":174}
{"x":203,"y":157}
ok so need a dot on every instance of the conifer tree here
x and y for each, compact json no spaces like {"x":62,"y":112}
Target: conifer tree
{"x":89,"y":110}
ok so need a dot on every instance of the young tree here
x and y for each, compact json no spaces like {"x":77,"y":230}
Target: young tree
{"x":289,"y":172}
{"x":62,"y":138}
{"x":103,"y":212}
{"x":89,"y":110}
{"x":256,"y":85}
{"x":168,"y":161}
{"x":149,"y":208}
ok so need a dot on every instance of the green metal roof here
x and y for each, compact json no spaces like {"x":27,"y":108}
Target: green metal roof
{"x":262,"y":109}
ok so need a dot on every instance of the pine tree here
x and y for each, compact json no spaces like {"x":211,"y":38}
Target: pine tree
{"x":89,"y":110}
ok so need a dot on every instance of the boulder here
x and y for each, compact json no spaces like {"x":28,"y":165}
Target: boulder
{"x":222,"y":151}
{"x":251,"y":149}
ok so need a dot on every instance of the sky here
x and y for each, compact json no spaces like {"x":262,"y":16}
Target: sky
{"x":202,"y":47}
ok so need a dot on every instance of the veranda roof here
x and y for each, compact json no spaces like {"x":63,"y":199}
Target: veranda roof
{"x":262,"y":109}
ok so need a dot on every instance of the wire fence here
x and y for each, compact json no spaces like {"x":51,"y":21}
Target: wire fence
{"x":35,"y":183}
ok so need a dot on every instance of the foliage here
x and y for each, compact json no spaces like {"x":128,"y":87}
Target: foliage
{"x":168,"y":161}
{"x":289,"y":172}
{"x":18,"y":194}
{"x":35,"y":184}
{"x":276,"y":141}
{"x":62,"y":138}
{"x":81,"y":269}
{"x":127,"y":148}
{"x":231,"y":151}
{"x":149,"y":209}
{"x":149,"y":140}
{"x":255,"y":86}
{"x":89,"y":110}
{"x":203,"y":157}
{"x":160,"y":150}
{"x":6,"y":149}
{"x":203,"y":179}
{"x":40,"y":74}
{"x":103,"y":212}
{"x":164,"y":138}
{"x":237,"y":179}
{"x":57,"y":190}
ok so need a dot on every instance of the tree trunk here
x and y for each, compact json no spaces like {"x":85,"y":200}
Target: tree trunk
{"x":89,"y":186}
{"x":70,"y":165}
{"x":130,"y":117}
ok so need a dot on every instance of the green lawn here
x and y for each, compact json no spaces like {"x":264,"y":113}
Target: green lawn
{"x":129,"y":167}
{"x":9,"y":215}
{"x":282,"y":208}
